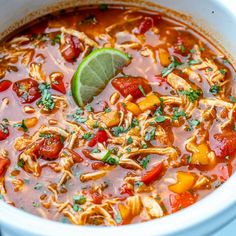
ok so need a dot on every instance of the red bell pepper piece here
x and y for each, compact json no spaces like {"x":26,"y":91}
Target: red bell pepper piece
{"x":100,"y":137}
{"x":4,"y":85}
{"x":132,"y":85}
{"x":153,"y":174}
{"x":58,"y":85}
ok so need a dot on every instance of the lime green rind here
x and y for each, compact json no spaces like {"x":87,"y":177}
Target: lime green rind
{"x":95,"y":71}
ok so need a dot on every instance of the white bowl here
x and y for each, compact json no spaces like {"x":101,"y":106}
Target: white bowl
{"x":217,"y":19}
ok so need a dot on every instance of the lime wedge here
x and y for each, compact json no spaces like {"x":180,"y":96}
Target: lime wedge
{"x":95,"y":71}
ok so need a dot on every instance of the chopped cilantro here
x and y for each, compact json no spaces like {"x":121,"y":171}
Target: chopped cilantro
{"x":79,"y":199}
{"x":209,"y":69}
{"x":1,"y":197}
{"x":134,"y":123}
{"x":56,"y":39}
{"x":76,"y":207}
{"x":223,"y":71}
{"x":3,"y":128}
{"x":202,"y":49}
{"x":138,"y":184}
{"x":159,"y":110}
{"x":192,"y":94}
{"x":21,"y":163}
{"x":150,"y":135}
{"x":160,"y":119}
{"x":95,"y":150}
{"x":62,"y":139}
{"x":128,"y":149}
{"x":189,"y":159}
{"x":107,"y":110}
{"x":45,"y":135}
{"x":77,"y":116}
{"x":89,"y":108}
{"x":174,"y":64}
{"x":22,"y":125}
{"x":112,"y":160}
{"x":46,"y":100}
{"x":140,"y":87}
{"x":177,"y":114}
{"x":118,"y":130}
{"x":215,"y":89}
{"x":144,"y":146}
{"x":145,"y":161}
{"x":130,"y":140}
{"x":87,"y":136}
{"x":232,"y":99}
{"x":194,"y":123}
{"x":182,"y":48}
{"x":194,"y":62}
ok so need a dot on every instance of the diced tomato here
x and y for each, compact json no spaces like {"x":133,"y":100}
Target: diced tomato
{"x":225,"y":144}
{"x":132,"y":86}
{"x":58,"y":84}
{"x":97,"y":197}
{"x":100,"y":137}
{"x":126,"y":190}
{"x":4,"y":163}
{"x":98,"y":165}
{"x":49,"y":147}
{"x":4,"y":132}
{"x":27,"y":90}
{"x":183,"y":200}
{"x":4,"y":85}
{"x":153,"y":174}
{"x":148,"y":23}
{"x":70,"y":50}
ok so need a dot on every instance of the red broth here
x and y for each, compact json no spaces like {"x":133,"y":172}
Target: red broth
{"x":158,"y":138}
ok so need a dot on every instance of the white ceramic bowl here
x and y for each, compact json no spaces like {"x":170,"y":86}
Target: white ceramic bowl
{"x":217,"y":19}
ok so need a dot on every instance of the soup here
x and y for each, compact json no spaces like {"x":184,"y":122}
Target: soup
{"x":156,"y":138}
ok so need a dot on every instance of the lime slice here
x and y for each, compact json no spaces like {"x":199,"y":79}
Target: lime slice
{"x":95,"y":71}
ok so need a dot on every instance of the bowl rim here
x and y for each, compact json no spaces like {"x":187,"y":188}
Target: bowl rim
{"x":219,"y":201}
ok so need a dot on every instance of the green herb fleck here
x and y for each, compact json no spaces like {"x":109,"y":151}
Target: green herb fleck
{"x":138,"y":184}
{"x":145,"y":161}
{"x":87,"y":136}
{"x":89,"y":108}
{"x":177,"y":114}
{"x":194,"y":62}
{"x":174,"y":64}
{"x":107,"y":110}
{"x":223,"y":71}
{"x":22,"y":125}
{"x":79,"y":199}
{"x":130,"y":140}
{"x":160,"y":119}
{"x":150,"y":135}
{"x":21,"y":163}
{"x":232,"y":99}
{"x":215,"y":89}
{"x":118,"y":130}
{"x":56,"y":39}
{"x":46,"y":100}
{"x":192,"y":94}
{"x":144,"y":146}
{"x":35,"y":204}
{"x":140,"y":87}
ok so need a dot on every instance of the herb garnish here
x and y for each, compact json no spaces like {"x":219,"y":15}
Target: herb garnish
{"x":117,"y":130}
{"x":145,"y":161}
{"x":56,"y":39}
{"x":174,"y":64}
{"x":177,"y":114}
{"x":150,"y":135}
{"x":77,"y":116}
{"x":21,"y":163}
{"x":160,"y":119}
{"x":21,"y":125}
{"x":87,"y":136}
{"x":129,"y":140}
{"x":46,"y":100}
{"x":232,"y":99}
{"x":192,"y":94}
{"x":193,"y":123}
{"x":215,"y":89}
{"x":140,"y":87}
{"x":38,"y":186}
{"x":79,"y":199}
